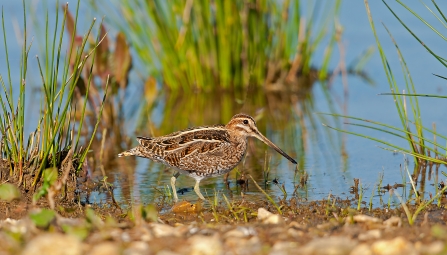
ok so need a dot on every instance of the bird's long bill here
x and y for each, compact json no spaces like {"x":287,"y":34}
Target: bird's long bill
{"x":272,"y":145}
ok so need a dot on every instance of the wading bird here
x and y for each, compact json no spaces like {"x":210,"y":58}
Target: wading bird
{"x":202,"y":152}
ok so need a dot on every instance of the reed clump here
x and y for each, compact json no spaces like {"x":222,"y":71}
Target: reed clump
{"x":227,"y":45}
{"x":57,"y":148}
{"x":426,"y":151}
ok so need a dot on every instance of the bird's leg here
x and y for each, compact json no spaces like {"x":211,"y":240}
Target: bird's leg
{"x":227,"y":183}
{"x":197,"y":190}
{"x":174,"y":190}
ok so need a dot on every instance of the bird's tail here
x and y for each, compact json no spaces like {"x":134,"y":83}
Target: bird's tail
{"x":131,"y":152}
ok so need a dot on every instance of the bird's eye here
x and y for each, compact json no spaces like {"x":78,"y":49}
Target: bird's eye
{"x":246,"y":122}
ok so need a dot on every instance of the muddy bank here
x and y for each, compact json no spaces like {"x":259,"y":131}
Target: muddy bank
{"x":60,"y":224}
{"x":241,"y":227}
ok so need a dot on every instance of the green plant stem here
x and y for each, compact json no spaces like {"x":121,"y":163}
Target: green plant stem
{"x":266,"y":195}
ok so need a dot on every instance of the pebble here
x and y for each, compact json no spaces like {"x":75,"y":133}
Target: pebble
{"x":163,"y":230}
{"x":236,"y":233}
{"x":141,"y":233}
{"x":297,"y":225}
{"x":248,"y":231}
{"x":267,"y":217}
{"x":361,"y":218}
{"x":53,"y":244}
{"x":106,"y":248}
{"x":137,"y":248}
{"x":263,"y":214}
{"x":206,"y":245}
{"x":69,"y":221}
{"x":433,"y":248}
{"x":331,"y":245}
{"x":295,"y":233}
{"x":362,"y":249}
{"x":280,"y":248}
{"x":15,"y":226}
{"x":166,"y":253}
{"x":396,"y":246}
{"x":370,"y":234}
{"x":394,"y":221}
{"x":252,"y":245}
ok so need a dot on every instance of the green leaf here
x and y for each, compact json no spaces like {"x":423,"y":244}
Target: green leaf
{"x":94,"y":219}
{"x":438,"y":231}
{"x":50,"y":175}
{"x":80,"y":231}
{"x":42,"y":218}
{"x":149,"y":213}
{"x":9,"y":192}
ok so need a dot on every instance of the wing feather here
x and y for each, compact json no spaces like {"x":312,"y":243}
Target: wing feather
{"x":177,"y":148}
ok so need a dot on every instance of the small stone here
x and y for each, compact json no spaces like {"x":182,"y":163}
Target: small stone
{"x":433,"y":248}
{"x":165,"y":252}
{"x":297,"y":225}
{"x":295,"y":233}
{"x":106,"y":248}
{"x":331,"y":245}
{"x":370,"y":234}
{"x":394,"y":221}
{"x":285,"y":248}
{"x":137,"y":248}
{"x":15,"y":226}
{"x":235,"y":233}
{"x":248,"y":231}
{"x":69,"y":221}
{"x":361,"y":218}
{"x":205,"y":245}
{"x":163,"y":230}
{"x":243,"y":245}
{"x":327,"y":226}
{"x":274,"y":219}
{"x":141,"y":233}
{"x":269,"y":218}
{"x":125,"y":237}
{"x":53,"y":244}
{"x":361,"y":249}
{"x":263,"y":214}
{"x":251,"y":245}
{"x":396,"y":246}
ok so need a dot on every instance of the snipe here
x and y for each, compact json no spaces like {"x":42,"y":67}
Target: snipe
{"x":202,"y":152}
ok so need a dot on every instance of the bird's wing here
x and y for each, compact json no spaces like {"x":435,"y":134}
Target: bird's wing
{"x":186,"y":146}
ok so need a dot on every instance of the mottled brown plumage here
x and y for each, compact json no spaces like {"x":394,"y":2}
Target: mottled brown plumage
{"x":202,"y":152}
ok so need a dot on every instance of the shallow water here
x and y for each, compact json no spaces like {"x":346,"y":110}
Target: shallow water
{"x":329,"y":172}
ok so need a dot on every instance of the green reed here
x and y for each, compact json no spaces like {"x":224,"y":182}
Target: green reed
{"x":54,"y":132}
{"x":407,"y":106}
{"x":406,"y":102}
{"x":417,"y":141}
{"x":230,"y":207}
{"x":211,"y":45}
{"x":370,"y":207}
{"x":269,"y":198}
{"x":411,"y":216}
{"x":12,"y":121}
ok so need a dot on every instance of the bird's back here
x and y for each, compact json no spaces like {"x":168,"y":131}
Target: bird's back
{"x":207,"y":150}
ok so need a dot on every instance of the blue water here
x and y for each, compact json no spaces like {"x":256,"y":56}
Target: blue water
{"x":328,"y":174}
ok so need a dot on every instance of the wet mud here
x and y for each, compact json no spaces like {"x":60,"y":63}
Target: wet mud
{"x":218,"y":226}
